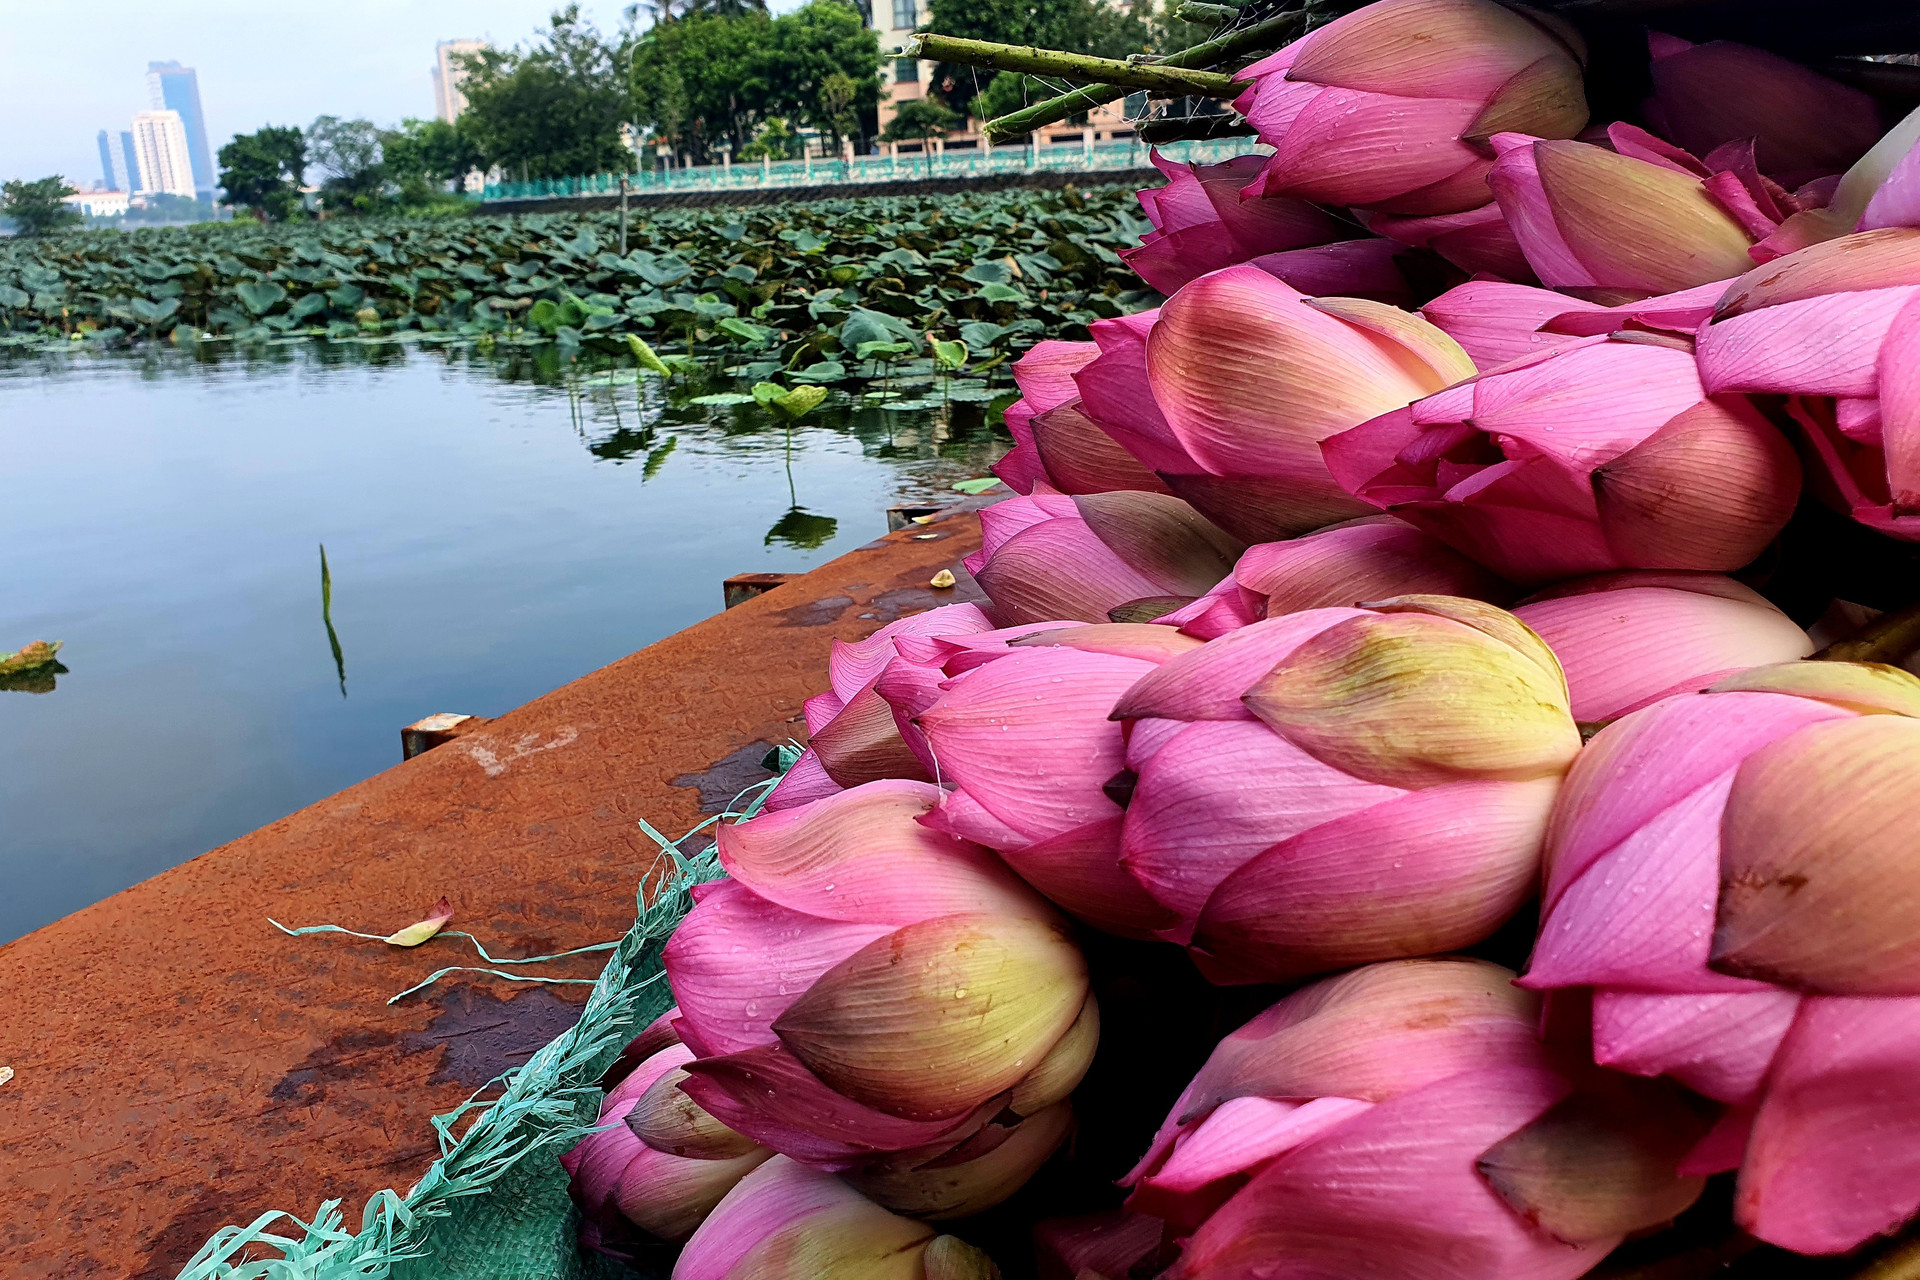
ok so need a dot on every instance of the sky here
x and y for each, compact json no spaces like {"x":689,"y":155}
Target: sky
{"x":71,"y":69}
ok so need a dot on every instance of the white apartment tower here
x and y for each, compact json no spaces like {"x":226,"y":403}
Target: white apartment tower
{"x":160,"y":146}
{"x":448,"y":101}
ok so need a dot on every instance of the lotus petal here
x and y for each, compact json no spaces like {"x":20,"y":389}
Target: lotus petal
{"x":1899,"y":405}
{"x":937,"y":1017}
{"x":1217,"y":795}
{"x":1026,"y":737}
{"x":1426,"y":48}
{"x":1432,"y":871}
{"x":785,"y":1221}
{"x":766,"y":1094}
{"x":1392,"y":1192}
{"x":1077,"y":456}
{"x":1259,"y":508}
{"x":1209,"y":683}
{"x":1602,"y":1162}
{"x":1387,"y":146}
{"x":1478,"y":241}
{"x":1045,"y":372}
{"x":668,"y":1121}
{"x":415,"y":934}
{"x":1080,"y":870}
{"x":852,"y":667}
{"x":1718,"y":1045}
{"x":1634,"y":638}
{"x":1495,"y":322}
{"x":1142,"y":640}
{"x":862,"y":744}
{"x":1681,"y":313}
{"x":1213,"y":1160}
{"x":1058,"y":569}
{"x":1834,"y":1158}
{"x":1365,"y":560}
{"x":1827,"y":346}
{"x":1162,"y":538}
{"x":1653,"y":760}
{"x":864,"y":857}
{"x":669,"y":1197}
{"x":804,"y":783}
{"x":737,"y":961}
{"x":1413,"y":700}
{"x":1115,"y":393}
{"x":1349,"y":268}
{"x":1897,"y":202}
{"x":1106,"y":1244}
{"x":942,"y":1190}
{"x":1816,"y":884}
{"x":1065,"y":1065}
{"x":1740,"y":481}
{"x":1866,"y":688}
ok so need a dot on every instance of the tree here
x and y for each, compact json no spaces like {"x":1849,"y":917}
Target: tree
{"x":774,"y":140}
{"x":920,"y":118}
{"x":703,"y":81}
{"x":36,"y":208}
{"x":707,"y":80}
{"x":262,"y":171}
{"x":826,"y":67}
{"x":349,"y":152}
{"x":554,"y":109}
{"x":1084,"y":26}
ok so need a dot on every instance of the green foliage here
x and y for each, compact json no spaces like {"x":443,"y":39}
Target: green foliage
{"x":1084,"y":26}
{"x":920,"y":118}
{"x":773,"y":140}
{"x":430,"y":150}
{"x":554,"y":109}
{"x":35,"y":208}
{"x":814,"y":294}
{"x":262,"y":171}
{"x":349,"y":153}
{"x":707,"y":79}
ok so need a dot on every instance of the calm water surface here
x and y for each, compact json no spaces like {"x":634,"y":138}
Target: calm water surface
{"x":488,"y":536}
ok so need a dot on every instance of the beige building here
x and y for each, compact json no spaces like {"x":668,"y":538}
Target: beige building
{"x":160,"y":148}
{"x":97,"y":204}
{"x":904,"y":79}
{"x":448,"y":101}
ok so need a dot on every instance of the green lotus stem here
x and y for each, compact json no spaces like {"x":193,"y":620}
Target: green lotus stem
{"x":1194,"y":128}
{"x":1201,"y":14}
{"x":1890,"y":638}
{"x":1153,"y":76}
{"x":1262,"y":35}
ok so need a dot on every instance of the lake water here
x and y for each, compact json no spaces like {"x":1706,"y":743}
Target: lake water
{"x":489,"y":536}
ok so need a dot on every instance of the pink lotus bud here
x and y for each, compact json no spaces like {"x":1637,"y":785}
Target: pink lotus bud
{"x":1837,"y":326}
{"x":865,"y":986}
{"x":975,"y":1176}
{"x":1805,"y":125}
{"x":1404,"y":1119}
{"x":1647,"y":222}
{"x":1243,"y":376}
{"x":1027,"y":743}
{"x":1202,"y":223}
{"x":1764,"y":797}
{"x":1048,"y":557}
{"x":1391,"y":106}
{"x":857,"y":736}
{"x":1340,"y":786}
{"x":1054,"y":440}
{"x":1881,"y":190}
{"x":623,"y":1176}
{"x":1628,"y":639}
{"x":1598,"y":454}
{"x":785,"y":1221}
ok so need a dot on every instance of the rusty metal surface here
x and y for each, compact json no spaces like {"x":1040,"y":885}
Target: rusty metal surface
{"x":180,"y":1065}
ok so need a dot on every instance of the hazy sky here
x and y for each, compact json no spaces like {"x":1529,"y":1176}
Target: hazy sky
{"x":74,"y":67}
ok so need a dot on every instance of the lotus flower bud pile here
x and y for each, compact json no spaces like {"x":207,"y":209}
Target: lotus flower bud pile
{"x":1340,"y":786}
{"x":867,"y":993}
{"x":1724,"y":876}
{"x":1244,"y":708}
{"x":786,"y":1221}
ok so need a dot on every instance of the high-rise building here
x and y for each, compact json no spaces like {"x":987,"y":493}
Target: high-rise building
{"x":166,"y":165}
{"x":172,"y":87}
{"x":130,"y":162}
{"x":106,"y":164}
{"x":449,"y":75}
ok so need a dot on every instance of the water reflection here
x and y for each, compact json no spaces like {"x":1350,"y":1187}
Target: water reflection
{"x":32,"y":669}
{"x":326,"y":616}
{"x":802,"y":528}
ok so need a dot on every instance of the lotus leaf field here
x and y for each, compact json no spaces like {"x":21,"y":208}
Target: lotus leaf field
{"x":826,"y":292}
